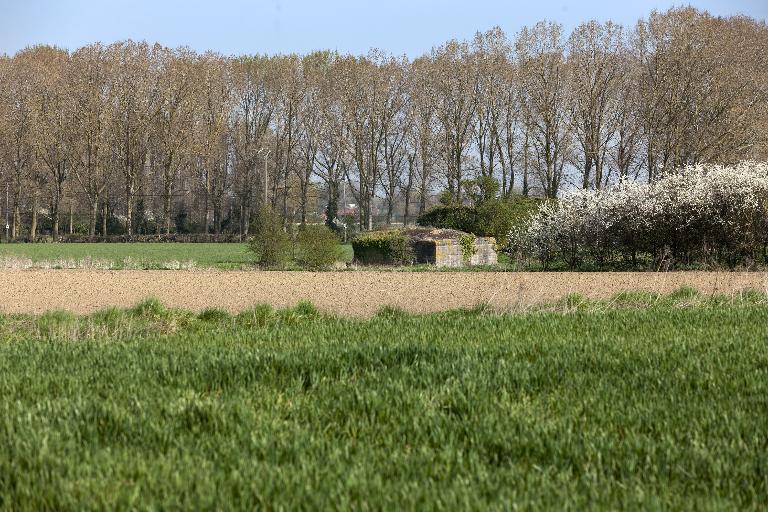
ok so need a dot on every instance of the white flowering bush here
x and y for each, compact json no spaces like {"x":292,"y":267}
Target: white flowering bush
{"x":703,"y":213}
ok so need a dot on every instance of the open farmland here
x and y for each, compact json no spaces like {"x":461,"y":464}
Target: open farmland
{"x":487,"y":264}
{"x":645,"y":402}
{"x":350,"y":293}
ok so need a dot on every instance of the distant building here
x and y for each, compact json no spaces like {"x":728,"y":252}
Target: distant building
{"x":349,"y":210}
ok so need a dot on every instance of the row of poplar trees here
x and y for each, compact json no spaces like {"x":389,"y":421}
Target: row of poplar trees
{"x":135,"y":131}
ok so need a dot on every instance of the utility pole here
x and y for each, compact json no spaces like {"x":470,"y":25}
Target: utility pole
{"x":265,"y":177}
{"x":266,"y":156}
{"x":7,"y":226}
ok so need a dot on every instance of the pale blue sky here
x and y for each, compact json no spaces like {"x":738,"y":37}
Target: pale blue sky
{"x":283,"y":26}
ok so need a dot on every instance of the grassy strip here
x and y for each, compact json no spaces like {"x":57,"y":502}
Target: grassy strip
{"x":161,"y":256}
{"x":235,"y":256}
{"x":644,"y":401}
{"x":126,"y":256}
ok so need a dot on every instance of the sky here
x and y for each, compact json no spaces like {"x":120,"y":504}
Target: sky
{"x":233,"y":27}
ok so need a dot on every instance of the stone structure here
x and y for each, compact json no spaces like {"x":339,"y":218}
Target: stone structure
{"x":447,"y":252}
{"x":439,"y":247}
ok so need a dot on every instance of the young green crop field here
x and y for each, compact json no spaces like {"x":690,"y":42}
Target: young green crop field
{"x":640,"y":403}
{"x":136,"y":255}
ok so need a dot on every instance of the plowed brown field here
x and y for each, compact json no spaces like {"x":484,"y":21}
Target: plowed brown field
{"x":353,"y":293}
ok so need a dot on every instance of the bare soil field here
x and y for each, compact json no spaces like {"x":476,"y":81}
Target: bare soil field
{"x":350,"y":293}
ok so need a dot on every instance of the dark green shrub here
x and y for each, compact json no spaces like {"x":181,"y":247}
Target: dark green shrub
{"x":459,"y":217}
{"x":391,"y":247}
{"x":270,"y":244}
{"x":317,"y":247}
{"x":495,"y":217}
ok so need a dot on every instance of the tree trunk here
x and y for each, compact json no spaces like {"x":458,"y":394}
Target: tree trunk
{"x":304,"y":190}
{"x":503,"y":162}
{"x":217,"y":215}
{"x":55,"y":217}
{"x":71,"y":218}
{"x":370,"y":196}
{"x":598,"y":174}
{"x":33,"y":227}
{"x":285,"y":194}
{"x":16,"y":221}
{"x":525,"y":165}
{"x":332,"y":208}
{"x":129,"y":210}
{"x":167,"y":189}
{"x":407,"y":197}
{"x":167,"y":207}
{"x":94,"y":214}
{"x":587,"y":174}
{"x":246,"y":220}
{"x":207,"y":206}
{"x":458,"y":176}
{"x":105,"y":211}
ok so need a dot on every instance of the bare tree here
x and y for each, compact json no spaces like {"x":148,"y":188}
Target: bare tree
{"x":395,"y":122}
{"x":625,"y":145}
{"x":332,"y":159}
{"x":52,"y":115}
{"x":365,"y":101}
{"x":17,"y":128}
{"x":455,"y":86}
{"x":594,"y":54}
{"x":423,"y":134}
{"x":254,"y":92}
{"x":88,"y":78}
{"x":172,"y":127}
{"x":543,"y":77}
{"x":134,"y":100}
{"x":211,"y":135}
{"x":310,"y":121}
{"x":288,"y":128}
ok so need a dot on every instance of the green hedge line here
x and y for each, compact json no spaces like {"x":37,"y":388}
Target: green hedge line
{"x":391,"y":247}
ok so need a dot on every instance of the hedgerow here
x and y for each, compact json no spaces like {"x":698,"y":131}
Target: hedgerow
{"x":703,"y":214}
{"x":383,"y":247}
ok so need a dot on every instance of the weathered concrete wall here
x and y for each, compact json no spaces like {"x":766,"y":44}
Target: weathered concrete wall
{"x":447,"y":252}
{"x":486,"y":252}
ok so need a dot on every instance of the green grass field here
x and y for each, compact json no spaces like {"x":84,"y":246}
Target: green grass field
{"x":223,"y":256}
{"x":641,"y":403}
{"x":141,"y":255}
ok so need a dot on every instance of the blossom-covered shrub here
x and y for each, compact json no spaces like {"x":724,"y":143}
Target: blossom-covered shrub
{"x":704,"y":213}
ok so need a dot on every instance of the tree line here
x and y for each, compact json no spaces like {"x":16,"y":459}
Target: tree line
{"x":132,"y":137}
